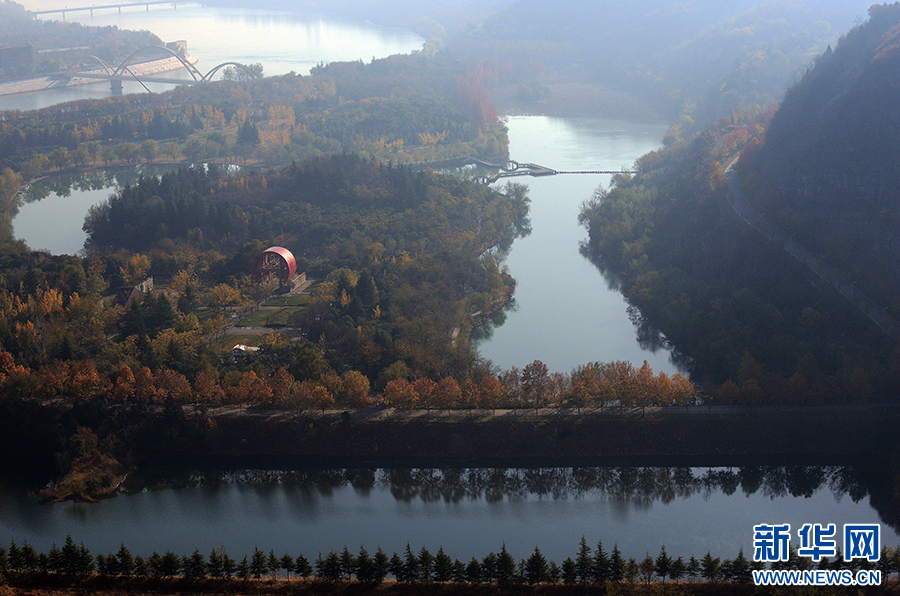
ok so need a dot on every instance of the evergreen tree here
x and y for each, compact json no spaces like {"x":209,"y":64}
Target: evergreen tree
{"x":365,"y":566}
{"x":693,"y":568}
{"x":29,"y":557}
{"x":554,"y":572}
{"x":258,"y":564}
{"x":677,"y":569}
{"x":56,"y":562}
{"x":601,"y":564}
{"x":536,"y":568}
{"x":663,"y":563}
{"x":71,"y":556}
{"x":616,"y":565}
{"x":14,"y":557}
{"x":410,"y":565}
{"x":474,"y":571}
{"x":302,"y":566}
{"x":459,"y":574}
{"x":740,"y":568}
{"x":647,"y":568}
{"x":584,"y":562}
{"x":170,"y":564}
{"x":569,"y":571}
{"x":229,"y":567}
{"x":125,"y":561}
{"x":348,"y":563}
{"x":273,"y":563}
{"x":506,"y":566}
{"x":196,"y":567}
{"x":443,"y":566}
{"x":489,"y":568}
{"x":4,"y":562}
{"x":287,"y":564}
{"x":426,"y":564}
{"x":380,"y":563}
{"x":709,"y":567}
{"x":243,"y":569}
{"x":329,"y":568}
{"x":215,"y":565}
{"x":141,"y":566}
{"x":396,"y":568}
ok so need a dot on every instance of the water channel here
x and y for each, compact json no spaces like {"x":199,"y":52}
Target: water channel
{"x":566,"y":314}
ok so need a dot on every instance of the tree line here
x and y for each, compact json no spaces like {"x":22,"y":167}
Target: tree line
{"x":595,"y":385}
{"x":588,"y":567}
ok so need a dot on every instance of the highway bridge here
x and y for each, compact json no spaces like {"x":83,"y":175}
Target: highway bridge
{"x":117,"y":74}
{"x":91,"y":9}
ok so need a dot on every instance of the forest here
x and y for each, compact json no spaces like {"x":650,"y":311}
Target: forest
{"x":752,"y":323}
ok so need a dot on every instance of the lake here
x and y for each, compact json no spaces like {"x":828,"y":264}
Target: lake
{"x":468,"y":512}
{"x":566,"y":314}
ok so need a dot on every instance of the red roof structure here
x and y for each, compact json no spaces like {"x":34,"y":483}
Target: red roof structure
{"x":275,"y":261}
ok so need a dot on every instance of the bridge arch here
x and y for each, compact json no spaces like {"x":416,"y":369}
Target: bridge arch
{"x":122,"y":68}
{"x":208,"y":76}
{"x":71,"y":72}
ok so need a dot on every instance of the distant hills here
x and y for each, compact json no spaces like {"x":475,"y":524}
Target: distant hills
{"x":828,"y":169}
{"x":701,"y":58}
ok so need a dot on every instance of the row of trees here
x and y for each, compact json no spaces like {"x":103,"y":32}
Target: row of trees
{"x":588,"y":567}
{"x":595,"y":385}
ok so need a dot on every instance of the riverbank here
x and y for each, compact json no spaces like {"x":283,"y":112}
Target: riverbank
{"x":148,"y":68}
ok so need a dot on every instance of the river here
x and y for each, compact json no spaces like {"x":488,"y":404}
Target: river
{"x":566,"y":314}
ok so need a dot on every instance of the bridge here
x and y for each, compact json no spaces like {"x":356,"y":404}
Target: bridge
{"x":117,"y":74}
{"x":510,"y":169}
{"x":91,"y":9}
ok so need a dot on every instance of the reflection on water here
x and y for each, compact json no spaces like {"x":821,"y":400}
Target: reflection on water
{"x":468,"y":511}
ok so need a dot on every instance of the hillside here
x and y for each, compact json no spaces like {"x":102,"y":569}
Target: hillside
{"x":827,"y":169}
{"x":699,"y":59}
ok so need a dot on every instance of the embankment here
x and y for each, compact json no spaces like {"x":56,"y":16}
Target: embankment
{"x":43,"y":83}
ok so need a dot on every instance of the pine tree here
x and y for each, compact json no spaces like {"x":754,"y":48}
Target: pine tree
{"x":410,"y":565}
{"x":663,"y":563}
{"x":396,"y":568}
{"x":125,"y":561}
{"x":473,"y":572}
{"x":258,"y":565}
{"x":243,"y":569}
{"x":584,"y":562}
{"x":365,"y":566}
{"x":601,"y":564}
{"x":14,"y":557}
{"x":273,"y":563}
{"x":426,"y":564}
{"x":569,"y":571}
{"x":56,"y":562}
{"x":380,"y":563}
{"x":215,"y":564}
{"x":536,"y":568}
{"x":459,"y":573}
{"x":506,"y":566}
{"x":443,"y":566}
{"x":302,"y":566}
{"x":489,"y":568}
{"x":348,"y":563}
{"x":287,"y":564}
{"x":616,"y":565}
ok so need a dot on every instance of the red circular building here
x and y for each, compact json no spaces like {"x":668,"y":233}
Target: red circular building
{"x":276,"y":261}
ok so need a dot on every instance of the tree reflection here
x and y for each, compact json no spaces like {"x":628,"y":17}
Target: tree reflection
{"x":636,"y":486}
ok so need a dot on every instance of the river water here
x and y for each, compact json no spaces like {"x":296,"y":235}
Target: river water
{"x":566,"y":314}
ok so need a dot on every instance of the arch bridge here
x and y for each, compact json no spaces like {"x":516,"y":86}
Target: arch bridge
{"x":117,"y":74}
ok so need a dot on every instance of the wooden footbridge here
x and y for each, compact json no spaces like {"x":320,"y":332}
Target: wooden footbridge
{"x":512,"y":168}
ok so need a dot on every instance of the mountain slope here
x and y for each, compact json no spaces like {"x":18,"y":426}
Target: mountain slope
{"x":828,"y":170}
